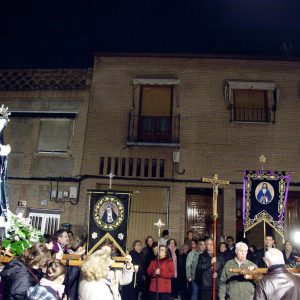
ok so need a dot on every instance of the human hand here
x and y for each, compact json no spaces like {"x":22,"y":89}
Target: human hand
{"x":215,"y":275}
{"x":251,"y":268}
{"x":59,"y":254}
{"x":157,"y":271}
{"x":213,"y":260}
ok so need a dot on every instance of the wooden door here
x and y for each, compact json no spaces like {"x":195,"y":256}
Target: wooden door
{"x":199,"y":215}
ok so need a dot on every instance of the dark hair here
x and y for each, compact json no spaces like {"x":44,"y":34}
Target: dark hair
{"x":167,"y":252}
{"x":147,"y":238}
{"x":155,"y":244}
{"x":230,"y":237}
{"x":189,"y":231}
{"x":165,"y":232}
{"x":201,"y":240}
{"x":48,"y":238}
{"x":223,"y":243}
{"x":59,"y":233}
{"x":195,"y":241}
{"x":54,"y":269}
{"x":38,"y":254}
{"x":208,"y":239}
{"x":70,"y":231}
{"x":135,"y":242}
{"x":169,"y":242}
{"x":270,"y":235}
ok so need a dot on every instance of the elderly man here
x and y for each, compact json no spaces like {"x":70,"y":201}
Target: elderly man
{"x":233,"y":285}
{"x":278,"y":283}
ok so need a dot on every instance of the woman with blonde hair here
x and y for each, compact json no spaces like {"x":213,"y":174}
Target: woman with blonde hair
{"x":95,"y":280}
{"x":51,"y":287}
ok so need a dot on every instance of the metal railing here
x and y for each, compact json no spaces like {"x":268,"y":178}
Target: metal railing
{"x":153,"y":129}
{"x":251,"y":114}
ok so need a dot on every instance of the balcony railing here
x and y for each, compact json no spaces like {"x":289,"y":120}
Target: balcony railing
{"x":153,"y":129}
{"x":251,"y":114}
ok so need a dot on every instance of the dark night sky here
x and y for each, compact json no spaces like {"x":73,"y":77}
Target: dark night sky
{"x":66,"y":33}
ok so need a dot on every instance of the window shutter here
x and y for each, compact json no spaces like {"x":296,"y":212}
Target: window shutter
{"x":54,"y":135}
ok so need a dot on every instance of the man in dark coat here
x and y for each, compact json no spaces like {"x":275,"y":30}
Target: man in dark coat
{"x":204,"y":271}
{"x":278,"y":283}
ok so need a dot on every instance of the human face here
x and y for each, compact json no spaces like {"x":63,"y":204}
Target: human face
{"x":202,"y":246}
{"x":269,"y":241}
{"x":162,"y":252}
{"x":288,"y":246}
{"x":138,"y":247}
{"x":241,"y":253}
{"x":63,"y":239}
{"x":229,"y":242}
{"x":190,"y":235}
{"x":150,"y":242}
{"x":223,"y":248}
{"x":209,"y":246}
{"x":172,"y":243}
{"x":193,"y":245}
{"x":155,"y":250}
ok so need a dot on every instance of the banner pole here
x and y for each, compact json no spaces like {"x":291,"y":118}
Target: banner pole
{"x":264,"y":238}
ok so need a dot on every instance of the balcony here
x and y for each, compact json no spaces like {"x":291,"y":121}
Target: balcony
{"x":153,"y":130}
{"x":251,"y":114}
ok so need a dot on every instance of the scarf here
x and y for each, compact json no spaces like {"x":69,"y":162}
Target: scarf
{"x":59,"y":288}
{"x":174,"y":257}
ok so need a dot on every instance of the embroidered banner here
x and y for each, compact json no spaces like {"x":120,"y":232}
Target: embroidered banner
{"x":108,"y":213}
{"x":264,"y":199}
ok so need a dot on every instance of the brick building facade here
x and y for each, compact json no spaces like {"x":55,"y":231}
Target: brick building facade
{"x":160,"y":124}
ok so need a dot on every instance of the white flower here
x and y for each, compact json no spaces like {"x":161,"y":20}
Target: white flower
{"x":94,"y":235}
{"x":120,"y":236}
{"x":16,"y":238}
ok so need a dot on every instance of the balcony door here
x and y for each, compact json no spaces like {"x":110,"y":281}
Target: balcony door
{"x":155,"y":115}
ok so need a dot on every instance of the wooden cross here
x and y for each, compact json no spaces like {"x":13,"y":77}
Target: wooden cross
{"x":215,"y":182}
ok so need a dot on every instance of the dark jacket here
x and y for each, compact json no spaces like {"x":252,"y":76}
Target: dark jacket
{"x":17,"y":279}
{"x":291,"y":260}
{"x":278,"y":284}
{"x":204,"y":270}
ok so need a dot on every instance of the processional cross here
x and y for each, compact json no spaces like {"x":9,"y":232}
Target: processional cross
{"x":215,"y":182}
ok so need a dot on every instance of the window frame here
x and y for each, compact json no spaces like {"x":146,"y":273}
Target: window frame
{"x":68,"y":144}
{"x":154,"y":137}
{"x":272,"y":96}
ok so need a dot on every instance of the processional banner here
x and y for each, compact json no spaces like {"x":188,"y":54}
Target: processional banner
{"x":108,"y":213}
{"x":264,"y":199}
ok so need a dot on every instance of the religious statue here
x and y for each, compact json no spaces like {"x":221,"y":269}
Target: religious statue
{"x":4,"y":151}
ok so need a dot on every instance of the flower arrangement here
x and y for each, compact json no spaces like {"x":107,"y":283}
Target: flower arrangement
{"x":20,"y":235}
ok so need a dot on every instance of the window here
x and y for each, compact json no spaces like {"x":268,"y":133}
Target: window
{"x":251,"y":101}
{"x":54,"y":135}
{"x":155,"y":117}
{"x":251,"y":106}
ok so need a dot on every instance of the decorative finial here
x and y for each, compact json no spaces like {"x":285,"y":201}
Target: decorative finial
{"x":262,"y":160}
{"x":4,"y":113}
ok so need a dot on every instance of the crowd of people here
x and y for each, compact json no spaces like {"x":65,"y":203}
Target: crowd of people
{"x":158,"y":270}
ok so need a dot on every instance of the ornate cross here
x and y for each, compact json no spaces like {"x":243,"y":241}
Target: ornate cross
{"x":159,"y":224}
{"x":215,"y":182}
{"x":111,"y":176}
